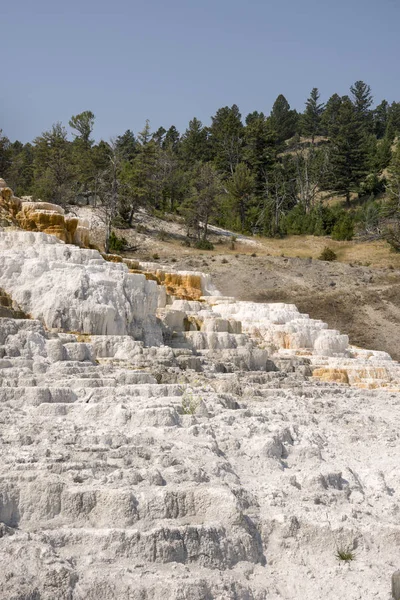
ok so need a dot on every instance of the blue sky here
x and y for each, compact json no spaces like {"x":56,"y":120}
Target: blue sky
{"x":168,"y":61}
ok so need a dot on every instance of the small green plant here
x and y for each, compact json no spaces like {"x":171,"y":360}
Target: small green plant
{"x":253,"y":255}
{"x":204,"y":245}
{"x":345,"y":554}
{"x":327,"y":254}
{"x":189,"y":404}
{"x":224,"y":261}
{"x":344,"y":228}
{"x":155,"y":256}
{"x":117,"y":244}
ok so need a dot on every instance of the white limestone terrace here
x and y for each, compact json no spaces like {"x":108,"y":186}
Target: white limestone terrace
{"x":73,"y":289}
{"x":154,"y":450}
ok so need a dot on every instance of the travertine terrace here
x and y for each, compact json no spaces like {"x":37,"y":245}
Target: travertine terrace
{"x":166,"y":442}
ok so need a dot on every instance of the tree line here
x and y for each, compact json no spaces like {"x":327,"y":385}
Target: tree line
{"x":262,"y":174}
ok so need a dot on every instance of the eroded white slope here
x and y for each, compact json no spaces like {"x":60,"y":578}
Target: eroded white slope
{"x":199,"y":469}
{"x":74,"y":289}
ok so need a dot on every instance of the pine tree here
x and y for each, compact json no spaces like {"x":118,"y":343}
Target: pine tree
{"x":362,"y":100}
{"x":81,"y":153}
{"x":127,"y":145}
{"x":260,"y":147}
{"x":330,"y":115}
{"x":171,"y":139}
{"x":393,"y":121}
{"x":348,"y":157}
{"x":203,"y":201}
{"x":4,"y":154}
{"x":53,"y":170}
{"x":194,"y":145}
{"x":83,"y":124}
{"x":19,"y":173}
{"x":380,"y":119}
{"x":284,"y":120}
{"x":311,"y":122}
{"x":393,"y":184}
{"x":226,"y":138}
{"x":241,"y":187}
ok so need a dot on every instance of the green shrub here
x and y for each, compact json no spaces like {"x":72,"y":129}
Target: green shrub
{"x":117,"y":244}
{"x":204,"y":245}
{"x":344,"y":228}
{"x":345,"y":554}
{"x":327,"y":254}
{"x":392,"y":236}
{"x":189,"y":404}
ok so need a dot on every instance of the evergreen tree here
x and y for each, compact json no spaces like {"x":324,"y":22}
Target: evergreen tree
{"x":127,"y":145}
{"x":349,"y":157}
{"x":393,"y":184}
{"x":383,"y":154}
{"x":283,"y":120}
{"x":82,"y":161}
{"x":19,"y":174}
{"x":4,"y":154}
{"x":240,"y":188}
{"x":393,"y":121}
{"x":158,"y":136}
{"x":330,"y":115}
{"x":226,"y":138}
{"x":362,"y":100}
{"x":172,"y":139}
{"x":311,"y":121}
{"x":203,"y":201}
{"x":53,"y":171}
{"x":194,"y":145}
{"x":260,"y":147}
{"x":380,"y":119}
{"x":83,"y":124}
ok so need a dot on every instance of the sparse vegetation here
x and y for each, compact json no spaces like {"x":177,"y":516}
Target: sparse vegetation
{"x":328,"y":254}
{"x":117,"y":244}
{"x":204,"y":245}
{"x":189,"y":404}
{"x":345,"y":554}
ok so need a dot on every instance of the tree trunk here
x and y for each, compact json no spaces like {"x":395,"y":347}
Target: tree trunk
{"x":242,"y":215}
{"x":348,"y":198}
{"x":132,"y":212}
{"x":205,"y":229}
{"x":108,"y":234}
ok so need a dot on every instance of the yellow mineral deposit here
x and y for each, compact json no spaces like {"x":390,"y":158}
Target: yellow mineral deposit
{"x":334,"y":375}
{"x":183,"y":286}
{"x":361,"y":377}
{"x":44,"y":217}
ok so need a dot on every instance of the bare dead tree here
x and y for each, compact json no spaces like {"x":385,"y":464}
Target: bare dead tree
{"x":108,"y":192}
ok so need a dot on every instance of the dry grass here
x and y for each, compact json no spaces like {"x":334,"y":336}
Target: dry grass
{"x":376,"y":254}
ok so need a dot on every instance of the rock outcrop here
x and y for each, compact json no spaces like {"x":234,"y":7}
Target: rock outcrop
{"x":154,"y":446}
{"x":42,"y":217}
